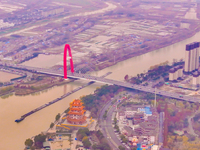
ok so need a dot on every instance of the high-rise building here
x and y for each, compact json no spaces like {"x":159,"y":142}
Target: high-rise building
{"x":197,"y":55}
{"x":187,"y":58}
{"x":191,"y":57}
{"x":175,"y":73}
{"x":195,"y":79}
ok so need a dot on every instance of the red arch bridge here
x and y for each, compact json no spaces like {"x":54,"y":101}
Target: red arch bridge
{"x":74,"y":75}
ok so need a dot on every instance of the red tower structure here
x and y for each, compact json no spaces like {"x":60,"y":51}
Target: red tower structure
{"x":67,"y":47}
{"x":76,"y":114}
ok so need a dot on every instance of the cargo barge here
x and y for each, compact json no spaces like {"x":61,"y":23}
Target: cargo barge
{"x":56,"y":100}
{"x":51,"y":102}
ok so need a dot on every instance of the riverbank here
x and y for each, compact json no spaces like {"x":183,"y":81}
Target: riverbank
{"x":30,"y":90}
{"x":166,"y":42}
{"x":4,"y":92}
{"x":31,"y":87}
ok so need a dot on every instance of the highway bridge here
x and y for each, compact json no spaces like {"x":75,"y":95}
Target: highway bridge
{"x":107,"y":81}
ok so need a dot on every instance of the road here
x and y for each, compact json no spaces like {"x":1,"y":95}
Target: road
{"x":106,"y":125}
{"x":109,"y":7}
{"x":190,"y":127}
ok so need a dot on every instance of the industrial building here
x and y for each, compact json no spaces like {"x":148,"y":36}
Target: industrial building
{"x":175,"y":73}
{"x":191,"y":57}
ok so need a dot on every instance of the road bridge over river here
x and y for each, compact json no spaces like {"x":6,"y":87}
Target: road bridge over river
{"x":107,"y":81}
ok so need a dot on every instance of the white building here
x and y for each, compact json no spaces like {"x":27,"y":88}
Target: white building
{"x":191,"y":57}
{"x":5,"y":24}
{"x":155,"y":147}
{"x":129,"y":113}
{"x":187,"y":59}
{"x":195,"y":78}
{"x":197,"y":55}
{"x":175,"y":73}
{"x":152,"y":139}
{"x":120,"y":115}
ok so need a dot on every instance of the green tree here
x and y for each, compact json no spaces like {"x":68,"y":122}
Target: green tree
{"x":51,"y":125}
{"x":115,"y":120}
{"x":88,"y":101}
{"x":99,"y":135}
{"x":105,"y":114}
{"x":39,"y":139}
{"x":86,"y":131}
{"x":82,"y":133}
{"x":101,"y":146}
{"x":124,"y":140}
{"x":80,"y":136}
{"x":67,"y":110}
{"x":121,"y":147}
{"x":86,"y":143}
{"x":105,"y":146}
{"x":122,"y":136}
{"x":103,"y":90}
{"x":29,"y":142}
{"x":84,"y":138}
{"x":57,"y":116}
{"x":126,"y":77}
{"x":95,"y":146}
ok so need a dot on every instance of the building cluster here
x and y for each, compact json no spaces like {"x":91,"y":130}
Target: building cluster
{"x":76,"y":117}
{"x":9,"y":48}
{"x":191,"y":57}
{"x":5,"y":24}
{"x":175,"y":73}
{"x":36,"y":14}
{"x":53,"y":11}
{"x":191,"y":65}
{"x":140,"y":125}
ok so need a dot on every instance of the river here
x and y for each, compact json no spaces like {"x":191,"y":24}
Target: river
{"x":14,"y":134}
{"x":5,"y":77}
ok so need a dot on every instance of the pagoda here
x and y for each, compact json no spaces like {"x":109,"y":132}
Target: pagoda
{"x":76,"y":114}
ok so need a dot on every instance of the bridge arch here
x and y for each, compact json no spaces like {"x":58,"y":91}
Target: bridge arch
{"x":67,"y":48}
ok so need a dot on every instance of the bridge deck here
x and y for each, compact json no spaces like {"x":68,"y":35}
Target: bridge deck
{"x":108,"y":81}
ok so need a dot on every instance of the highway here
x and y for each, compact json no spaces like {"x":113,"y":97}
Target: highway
{"x":107,"y":81}
{"x":106,"y":125}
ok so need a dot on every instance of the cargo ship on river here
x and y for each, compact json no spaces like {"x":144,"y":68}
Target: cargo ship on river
{"x":51,"y":102}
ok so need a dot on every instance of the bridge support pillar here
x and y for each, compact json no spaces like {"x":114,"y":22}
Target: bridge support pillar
{"x":67,"y":48}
